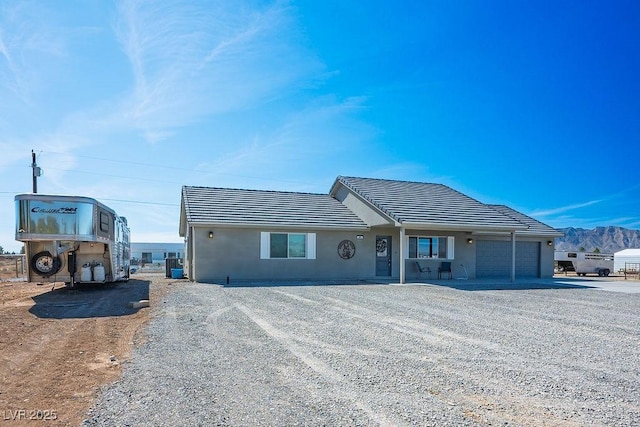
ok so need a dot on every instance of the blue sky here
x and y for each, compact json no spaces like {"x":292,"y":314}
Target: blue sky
{"x":531,"y":104}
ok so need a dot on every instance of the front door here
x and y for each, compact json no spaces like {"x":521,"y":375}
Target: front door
{"x":383,"y":255}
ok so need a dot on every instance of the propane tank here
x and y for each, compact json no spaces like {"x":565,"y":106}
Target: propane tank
{"x":98,"y":273}
{"x":85,"y":273}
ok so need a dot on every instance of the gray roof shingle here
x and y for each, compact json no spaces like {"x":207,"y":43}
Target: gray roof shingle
{"x":236,"y":207}
{"x":428,"y":204}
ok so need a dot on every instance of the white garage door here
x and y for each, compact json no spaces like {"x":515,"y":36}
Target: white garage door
{"x":493,"y":259}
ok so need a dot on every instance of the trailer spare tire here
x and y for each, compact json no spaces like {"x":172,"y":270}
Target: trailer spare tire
{"x":45,"y":264}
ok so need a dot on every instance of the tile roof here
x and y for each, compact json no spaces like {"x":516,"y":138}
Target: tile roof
{"x":236,"y":207}
{"x":433,"y":205}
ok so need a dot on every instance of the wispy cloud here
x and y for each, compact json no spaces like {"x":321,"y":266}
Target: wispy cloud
{"x":595,"y":213}
{"x":585,"y":218}
{"x":244,"y":35}
{"x":300,"y":144}
{"x":562,"y":209}
{"x":26,"y":39}
{"x":189,"y":62}
{"x":10,"y":73}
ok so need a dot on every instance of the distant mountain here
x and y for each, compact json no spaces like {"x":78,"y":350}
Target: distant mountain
{"x":606,"y":239}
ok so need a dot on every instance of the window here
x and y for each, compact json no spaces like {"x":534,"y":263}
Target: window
{"x":43,"y":217}
{"x":431,"y":247}
{"x":287,"y":245}
{"x":147,"y":257}
{"x":104,"y":222}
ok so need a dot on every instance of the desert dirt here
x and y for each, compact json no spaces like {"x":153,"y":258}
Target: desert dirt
{"x":59,"y":346}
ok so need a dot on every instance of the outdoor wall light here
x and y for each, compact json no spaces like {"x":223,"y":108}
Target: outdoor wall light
{"x":549,"y":243}
{"x":211,"y":234}
{"x":469,"y":240}
{"x":359,"y":236}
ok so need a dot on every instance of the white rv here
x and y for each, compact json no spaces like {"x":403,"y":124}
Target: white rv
{"x":584,"y":263}
{"x":72,"y":239}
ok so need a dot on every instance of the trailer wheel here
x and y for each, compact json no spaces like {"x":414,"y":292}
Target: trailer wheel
{"x":606,"y":272}
{"x":45,"y":264}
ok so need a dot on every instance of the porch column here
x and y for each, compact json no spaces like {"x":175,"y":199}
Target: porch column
{"x":402,"y":263}
{"x":513,"y":256}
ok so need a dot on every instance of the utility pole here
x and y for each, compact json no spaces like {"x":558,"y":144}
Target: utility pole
{"x":36,"y":172}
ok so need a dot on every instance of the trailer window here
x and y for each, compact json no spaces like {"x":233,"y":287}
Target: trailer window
{"x":54,"y":217}
{"x":104,"y":222}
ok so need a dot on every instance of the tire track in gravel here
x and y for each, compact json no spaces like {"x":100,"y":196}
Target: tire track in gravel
{"x":536,"y":324}
{"x":408,"y":326}
{"x":420,"y":329}
{"x":505,"y":305}
{"x":502,"y":302}
{"x":296,"y":297}
{"x":317,"y":365}
{"x":348,"y":391}
{"x":537,"y":408}
{"x":344,"y":339}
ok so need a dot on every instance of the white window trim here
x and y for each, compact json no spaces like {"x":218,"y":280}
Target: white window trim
{"x":265,"y":245}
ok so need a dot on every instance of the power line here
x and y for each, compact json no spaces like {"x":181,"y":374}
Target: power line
{"x":141,"y":202}
{"x":116,"y":176}
{"x":120,"y":161}
{"x":169,"y":167}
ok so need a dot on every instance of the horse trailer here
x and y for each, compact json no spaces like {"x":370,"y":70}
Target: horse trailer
{"x":72,"y":239}
{"x":584,"y":263}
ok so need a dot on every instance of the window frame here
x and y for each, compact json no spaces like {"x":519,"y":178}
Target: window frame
{"x":266,"y":245}
{"x":449,"y":250}
{"x":146,"y":257}
{"x":104,"y":222}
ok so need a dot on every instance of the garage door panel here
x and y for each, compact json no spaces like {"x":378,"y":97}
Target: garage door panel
{"x":528,"y":259}
{"x":493,"y":259}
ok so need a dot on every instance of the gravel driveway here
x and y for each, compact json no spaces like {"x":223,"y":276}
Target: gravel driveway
{"x":343,"y":355}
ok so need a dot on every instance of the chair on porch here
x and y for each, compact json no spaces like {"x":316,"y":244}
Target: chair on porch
{"x":422,"y":269}
{"x":445,"y":267}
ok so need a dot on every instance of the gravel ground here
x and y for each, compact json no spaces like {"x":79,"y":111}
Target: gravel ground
{"x":360,"y":355}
